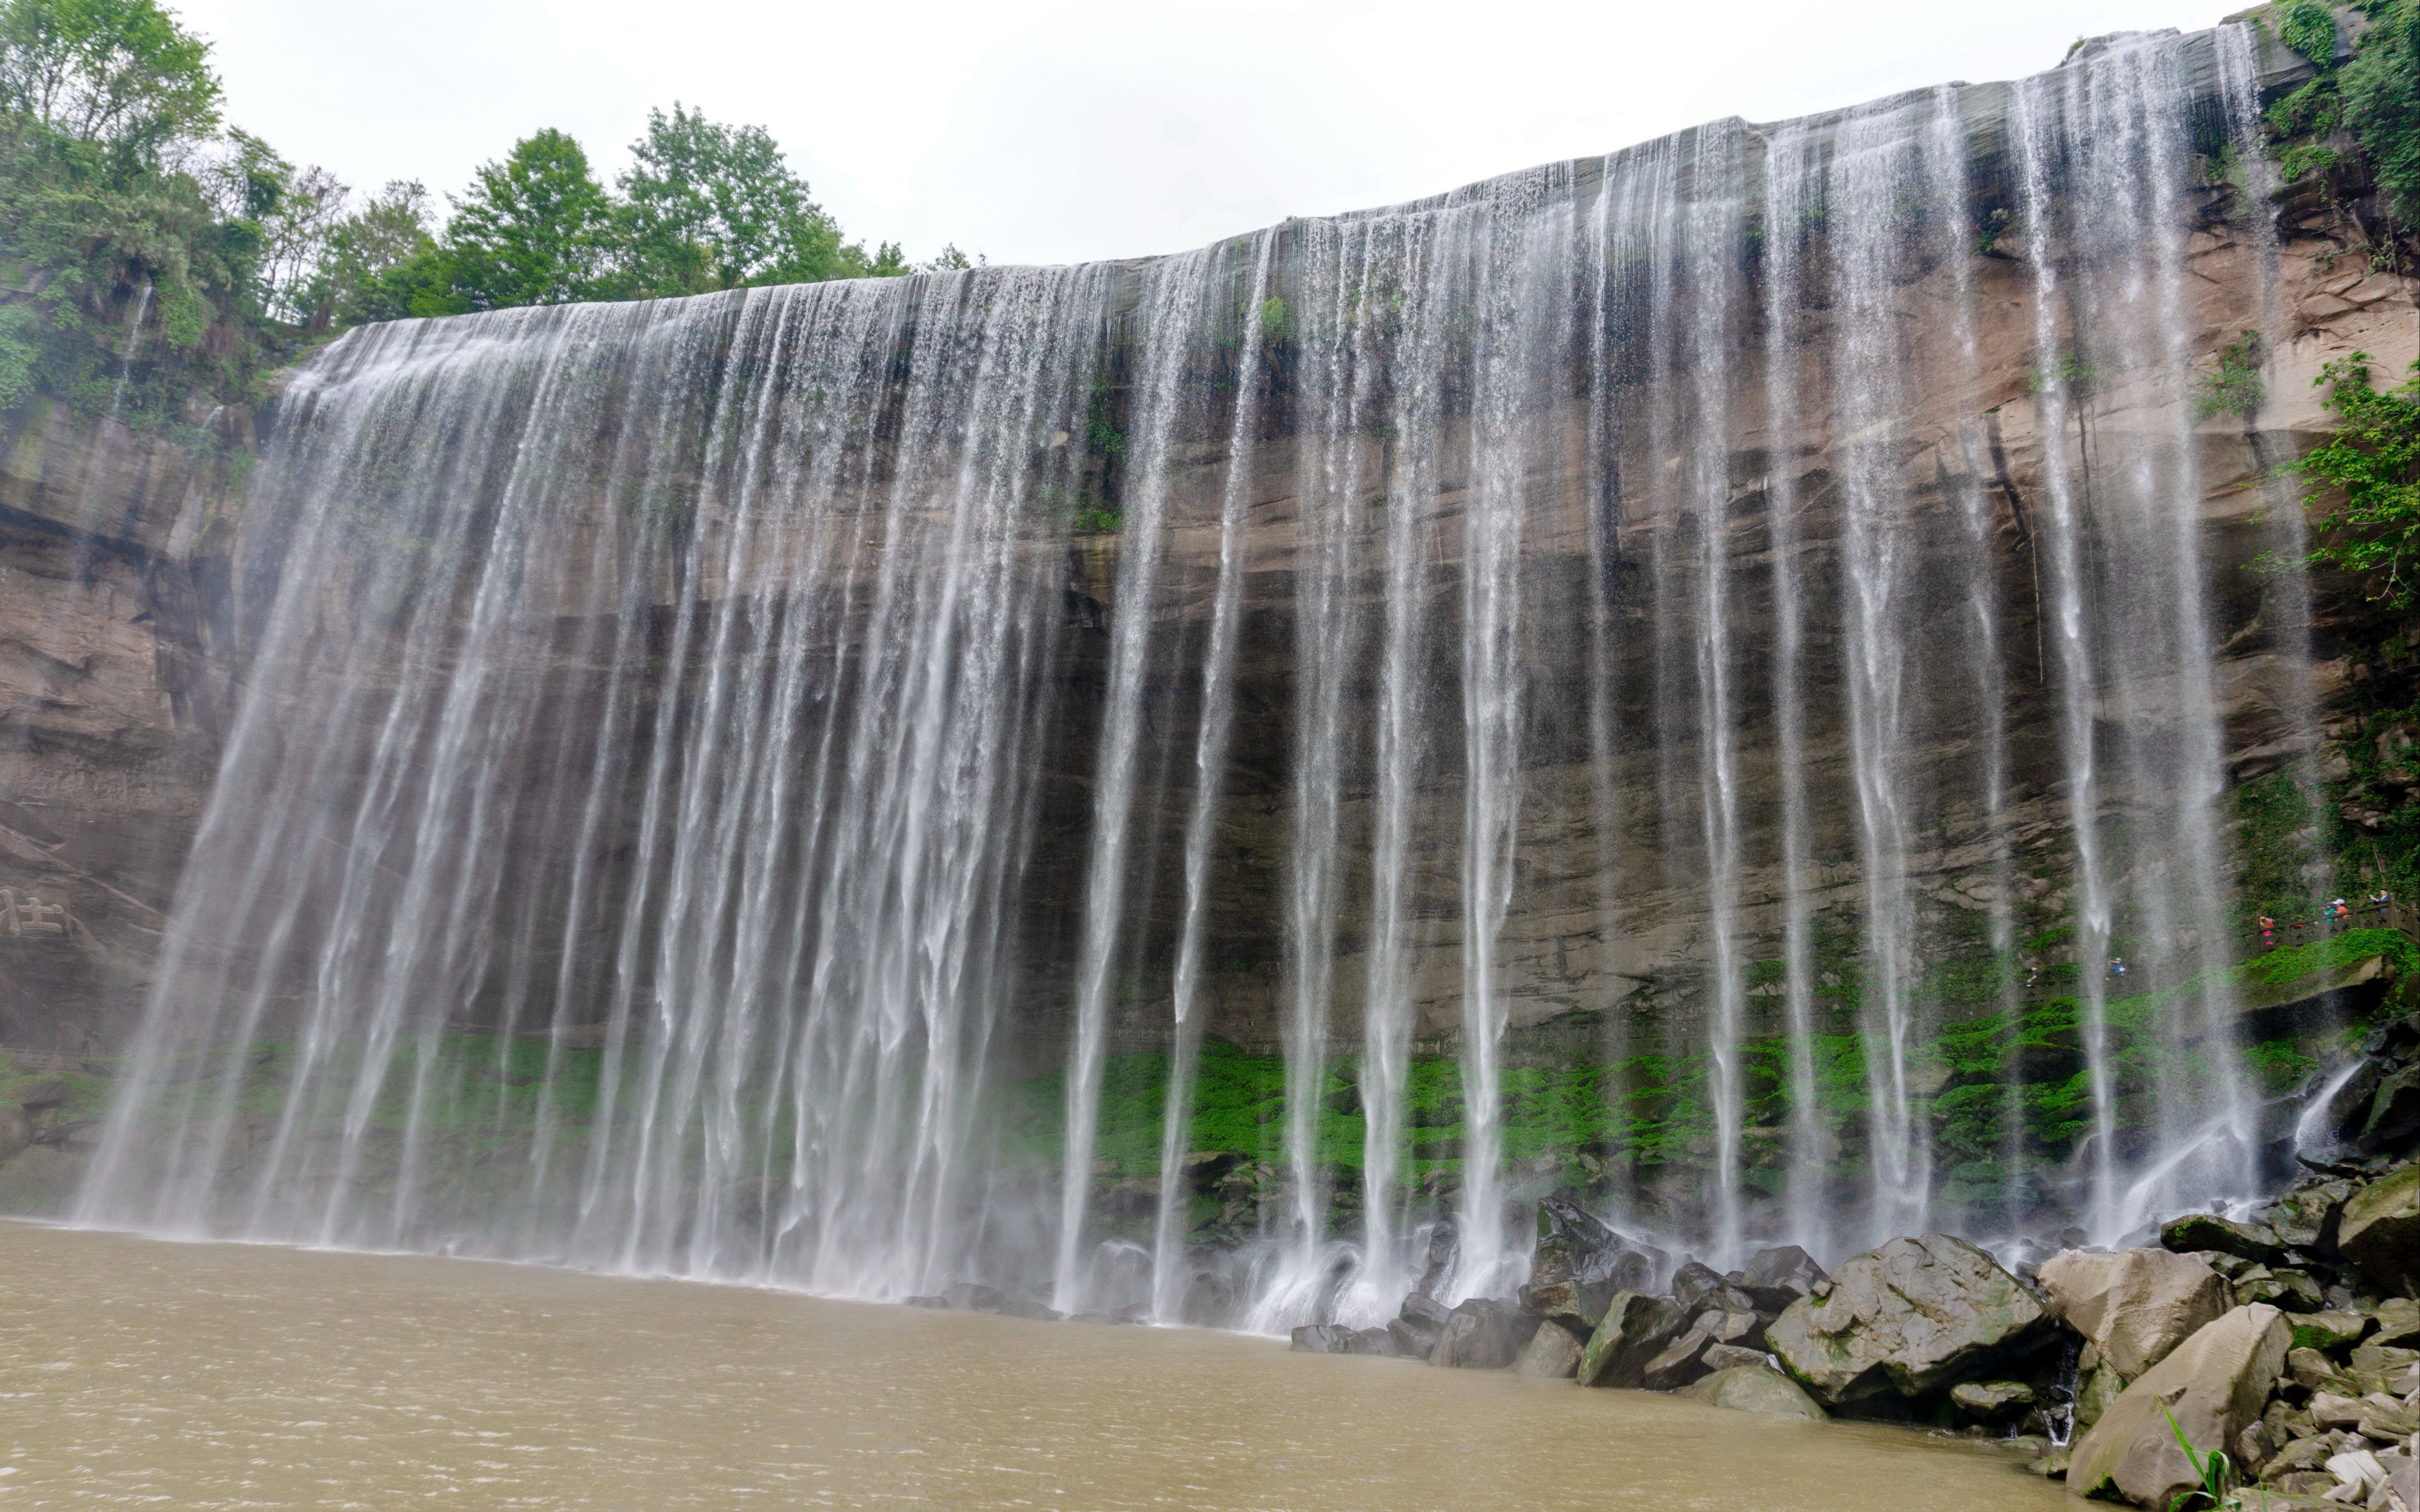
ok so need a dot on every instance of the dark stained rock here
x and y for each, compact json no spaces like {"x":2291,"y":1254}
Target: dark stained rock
{"x":2380,"y":1230}
{"x":1326,"y":1338}
{"x":1753,"y":1388}
{"x":1912,"y":1317}
{"x":1580,"y":1263}
{"x":1027,"y":1308}
{"x":1681,"y":1361}
{"x":1774,"y":1278}
{"x":2292,"y":1290}
{"x":1484,"y":1335}
{"x":973,"y":1296}
{"x":2208,"y":1230}
{"x":1416,"y":1328}
{"x":1696,"y":1287}
{"x":1444,"y":1247}
{"x":1636,"y":1328}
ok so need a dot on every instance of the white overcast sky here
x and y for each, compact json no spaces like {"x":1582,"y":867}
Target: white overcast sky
{"x":1059,"y":131}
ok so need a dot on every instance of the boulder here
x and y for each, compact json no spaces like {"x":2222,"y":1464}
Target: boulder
{"x":1444,"y":1249}
{"x":1635,"y":1330}
{"x":1329,"y":1339}
{"x":2215,"y":1384}
{"x":1679,"y":1362}
{"x":1484,"y":1335}
{"x":973,"y":1296}
{"x":2292,"y":1291}
{"x":1027,"y":1308}
{"x":1579,"y":1264}
{"x":1774,"y":1278}
{"x":1551,"y":1353}
{"x":1732,"y":1356}
{"x":1415,"y":1327}
{"x":2397,"y":1321}
{"x":925,"y":1302}
{"x":1912,"y":1317}
{"x":1990,"y":1401}
{"x":2325,"y":1331}
{"x":2134,"y":1305}
{"x":2208,"y":1230}
{"x":2380,"y":1230}
{"x":1753,"y":1388}
{"x":1696,"y":1287}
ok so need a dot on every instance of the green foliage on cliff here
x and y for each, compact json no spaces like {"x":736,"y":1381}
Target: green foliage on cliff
{"x":2370,"y":470}
{"x":2373,"y":99}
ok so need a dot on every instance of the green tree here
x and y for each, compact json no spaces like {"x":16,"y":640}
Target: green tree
{"x":2382,"y":104}
{"x":2372,"y":459}
{"x":537,"y":228}
{"x":120,"y":74}
{"x":384,"y":261}
{"x":712,"y":207}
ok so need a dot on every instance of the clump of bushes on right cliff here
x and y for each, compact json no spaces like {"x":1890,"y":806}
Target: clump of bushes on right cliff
{"x":2372,"y":101}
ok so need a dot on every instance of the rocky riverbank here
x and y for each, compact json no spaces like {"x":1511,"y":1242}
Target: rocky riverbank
{"x":2285,"y":1340}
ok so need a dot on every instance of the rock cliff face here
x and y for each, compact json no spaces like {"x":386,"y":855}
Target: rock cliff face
{"x":1704,"y":612}
{"x":112,"y":703}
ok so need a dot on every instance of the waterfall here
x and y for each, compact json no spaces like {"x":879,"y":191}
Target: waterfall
{"x":1197,"y":789}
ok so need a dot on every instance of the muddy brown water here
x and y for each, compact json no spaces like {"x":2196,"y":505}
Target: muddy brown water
{"x":137,"y":1371}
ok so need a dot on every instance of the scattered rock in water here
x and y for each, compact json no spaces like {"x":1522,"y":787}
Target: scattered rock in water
{"x":1733,"y":1356}
{"x":1028,"y":1308}
{"x":2256,"y":1242}
{"x":1484,"y":1335}
{"x":1753,"y":1388}
{"x":926,"y":1301}
{"x":1552,"y":1352}
{"x":1911,"y":1317}
{"x":1337,"y":1338}
{"x":2215,"y":1384}
{"x":974,"y":1297}
{"x":1991,"y":1401}
{"x":1774,"y":1278}
{"x":2136,"y":1305}
{"x":1636,"y":1328}
{"x":2380,"y":1231}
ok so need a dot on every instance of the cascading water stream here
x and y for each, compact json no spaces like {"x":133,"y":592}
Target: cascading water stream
{"x":1156,"y":786}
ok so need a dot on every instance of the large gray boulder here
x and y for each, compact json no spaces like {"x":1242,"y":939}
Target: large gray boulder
{"x":1579,"y":1264}
{"x":2380,"y":1230}
{"x":1552,"y":1352}
{"x":1415,"y":1329}
{"x":2136,"y":1305}
{"x":1774,"y":1278}
{"x":1635,"y":1330}
{"x":1912,"y":1317}
{"x":1484,"y":1335}
{"x":2215,"y":1384}
{"x":1755,"y":1388}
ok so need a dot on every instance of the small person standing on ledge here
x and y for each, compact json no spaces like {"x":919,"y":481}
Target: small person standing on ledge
{"x":2268,"y":931}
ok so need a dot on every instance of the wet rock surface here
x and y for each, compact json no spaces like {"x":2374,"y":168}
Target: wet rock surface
{"x":2215,"y":1385}
{"x":1907,"y":1318}
{"x":2134,"y":1305}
